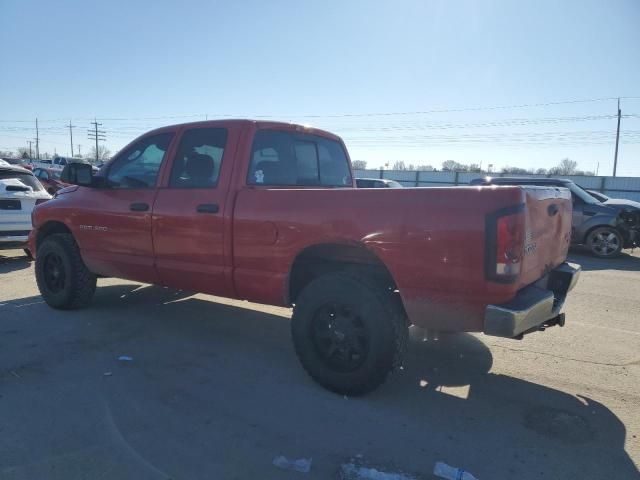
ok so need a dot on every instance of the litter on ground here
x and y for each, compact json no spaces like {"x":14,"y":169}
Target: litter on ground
{"x":302,"y":465}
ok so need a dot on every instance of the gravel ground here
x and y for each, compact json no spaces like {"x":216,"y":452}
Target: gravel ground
{"x":214,"y":391}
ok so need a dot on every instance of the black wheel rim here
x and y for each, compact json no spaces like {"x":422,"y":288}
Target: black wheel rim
{"x":340,"y":337}
{"x":54,"y":272}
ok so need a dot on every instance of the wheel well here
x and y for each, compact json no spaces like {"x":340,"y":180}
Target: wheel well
{"x":586,"y":235}
{"x":50,"y":228}
{"x":325,"y":258}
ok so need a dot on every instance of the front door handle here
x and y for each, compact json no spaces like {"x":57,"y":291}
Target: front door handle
{"x":207,"y":208}
{"x":139,"y":207}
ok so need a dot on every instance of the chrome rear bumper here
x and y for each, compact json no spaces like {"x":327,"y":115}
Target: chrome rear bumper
{"x":535,"y":306}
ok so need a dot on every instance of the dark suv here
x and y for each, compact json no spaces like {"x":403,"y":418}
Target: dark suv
{"x":603,"y":228}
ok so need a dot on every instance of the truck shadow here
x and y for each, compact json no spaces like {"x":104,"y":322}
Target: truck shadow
{"x":197,"y":362}
{"x":625,"y":262}
{"x":11,"y":263}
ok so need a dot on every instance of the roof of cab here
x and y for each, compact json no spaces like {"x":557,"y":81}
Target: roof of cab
{"x":260,"y":124}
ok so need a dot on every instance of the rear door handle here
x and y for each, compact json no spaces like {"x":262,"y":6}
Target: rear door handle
{"x":207,"y":208}
{"x":139,"y":207}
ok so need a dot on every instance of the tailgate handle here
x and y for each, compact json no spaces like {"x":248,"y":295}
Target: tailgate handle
{"x":552,"y":209}
{"x":207,"y":208}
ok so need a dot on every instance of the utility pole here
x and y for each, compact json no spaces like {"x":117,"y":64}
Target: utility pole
{"x":97,"y":135}
{"x":71,"y":127}
{"x":30,"y":142}
{"x":615,"y":158}
{"x":37,"y":141}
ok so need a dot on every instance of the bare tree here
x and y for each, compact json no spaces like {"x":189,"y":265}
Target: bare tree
{"x":399,"y":165}
{"x":449,"y":165}
{"x":359,"y":164}
{"x":425,"y":168}
{"x":515,"y":170}
{"x":103,"y":153}
{"x":541,"y":171}
{"x":22,"y":152}
{"x":565,"y":167}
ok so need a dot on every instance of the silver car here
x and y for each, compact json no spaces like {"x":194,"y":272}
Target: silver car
{"x":604,"y":228}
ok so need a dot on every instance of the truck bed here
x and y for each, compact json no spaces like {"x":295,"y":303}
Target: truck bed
{"x":442,"y":231}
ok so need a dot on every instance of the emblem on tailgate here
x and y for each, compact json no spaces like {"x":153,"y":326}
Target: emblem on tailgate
{"x":529,"y":245}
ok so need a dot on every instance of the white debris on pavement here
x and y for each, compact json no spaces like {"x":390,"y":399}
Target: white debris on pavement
{"x":351,"y":471}
{"x":125,"y":358}
{"x":302,"y":465}
{"x":448,"y":472}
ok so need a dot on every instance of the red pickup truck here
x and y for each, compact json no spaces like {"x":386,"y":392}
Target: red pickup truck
{"x":269,"y":212}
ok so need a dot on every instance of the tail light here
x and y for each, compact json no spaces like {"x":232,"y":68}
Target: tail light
{"x":505,"y":244}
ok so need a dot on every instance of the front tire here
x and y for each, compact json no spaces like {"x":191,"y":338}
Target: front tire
{"x":605,"y":242}
{"x":62,"y":277}
{"x":348,"y":332}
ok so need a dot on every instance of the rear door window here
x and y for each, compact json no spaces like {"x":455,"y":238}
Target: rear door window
{"x":198,"y":158}
{"x":280,"y":158}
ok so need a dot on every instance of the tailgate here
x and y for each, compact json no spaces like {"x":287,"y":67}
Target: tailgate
{"x":548,"y":213}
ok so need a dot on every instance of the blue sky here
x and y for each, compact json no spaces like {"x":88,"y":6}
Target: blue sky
{"x":136,"y":65}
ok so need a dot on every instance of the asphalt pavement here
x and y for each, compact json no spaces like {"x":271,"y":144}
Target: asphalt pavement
{"x":211,"y":389}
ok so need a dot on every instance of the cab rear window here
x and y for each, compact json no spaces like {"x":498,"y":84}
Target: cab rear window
{"x":280,"y":158}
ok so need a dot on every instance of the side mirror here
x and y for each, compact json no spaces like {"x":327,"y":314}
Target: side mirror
{"x":77,"y":174}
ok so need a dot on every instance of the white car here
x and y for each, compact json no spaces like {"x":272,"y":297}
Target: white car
{"x":20,"y":192}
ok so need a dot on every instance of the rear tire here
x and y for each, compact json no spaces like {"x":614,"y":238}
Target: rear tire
{"x":348,"y":332}
{"x":63,"y":279}
{"x":604,"y":242}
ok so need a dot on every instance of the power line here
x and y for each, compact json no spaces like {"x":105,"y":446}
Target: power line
{"x":343,"y":115}
{"x":71,"y":127}
{"x":97,"y":135}
{"x":37,"y":141}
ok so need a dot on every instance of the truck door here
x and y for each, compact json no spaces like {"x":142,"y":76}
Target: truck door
{"x":191,"y":232}
{"x":114,"y":222}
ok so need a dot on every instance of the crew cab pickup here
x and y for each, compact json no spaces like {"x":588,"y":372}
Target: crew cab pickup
{"x":269,"y":212}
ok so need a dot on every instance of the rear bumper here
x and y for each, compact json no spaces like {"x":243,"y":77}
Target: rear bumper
{"x":535,"y":306}
{"x":13,"y":238}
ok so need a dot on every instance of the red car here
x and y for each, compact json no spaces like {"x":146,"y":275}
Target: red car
{"x":269,"y":212}
{"x":50,"y":178}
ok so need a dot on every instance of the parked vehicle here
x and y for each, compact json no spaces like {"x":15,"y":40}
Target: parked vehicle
{"x":604,"y":228}
{"x":57,"y":163}
{"x":623,"y":202}
{"x":377,"y":183}
{"x":601,"y":197}
{"x":19,"y":162}
{"x":50,"y":179}
{"x":20,"y":191}
{"x":268,"y":212}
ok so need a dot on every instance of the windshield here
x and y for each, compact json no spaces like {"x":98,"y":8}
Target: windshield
{"x":582,"y":194}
